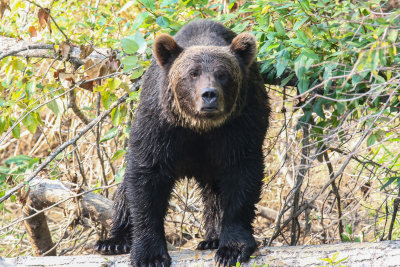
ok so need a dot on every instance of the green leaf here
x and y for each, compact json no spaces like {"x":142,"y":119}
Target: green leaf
{"x":129,"y":46}
{"x":240,"y":27}
{"x":107,"y":98}
{"x":309,"y":53}
{"x":328,"y":260}
{"x":3,"y":124}
{"x":16,"y":131}
{"x":345,"y":258}
{"x":109,"y":135}
{"x":393,"y":35}
{"x":30,"y":123}
{"x":281,"y":66}
{"x":299,"y":23}
{"x":345,"y":237}
{"x":53,"y":106}
{"x":166,"y":3}
{"x":20,"y":159}
{"x":113,"y":83}
{"x":32,"y":162}
{"x":340,"y":107}
{"x":371,"y":140}
{"x":287,"y":79}
{"x":317,"y":108}
{"x":139,"y":20}
{"x":3,"y":172}
{"x":138,"y":38}
{"x":115,"y":116}
{"x":118,"y":154}
{"x":119,"y":176}
{"x":303,"y":37}
{"x":303,"y":84}
{"x":279,"y":27}
{"x":163,"y":22}
{"x":305,"y":4}
{"x":130,"y":63}
{"x":390,"y":180}
{"x":149,"y":4}
{"x":137,"y":73}
{"x":349,"y":230}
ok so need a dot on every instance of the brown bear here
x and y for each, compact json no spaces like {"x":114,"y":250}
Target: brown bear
{"x":203,"y":113}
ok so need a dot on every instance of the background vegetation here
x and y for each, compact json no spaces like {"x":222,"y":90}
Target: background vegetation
{"x":332,"y":70}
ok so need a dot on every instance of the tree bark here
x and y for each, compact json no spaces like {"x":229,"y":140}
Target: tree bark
{"x":385,"y":253}
{"x":38,"y":231}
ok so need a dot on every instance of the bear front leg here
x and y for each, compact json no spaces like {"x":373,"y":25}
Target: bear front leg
{"x":212,"y":218}
{"x":240,"y":192}
{"x":120,"y":240}
{"x":148,"y":194}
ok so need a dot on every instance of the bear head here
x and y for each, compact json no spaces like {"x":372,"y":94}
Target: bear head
{"x":203,"y":84}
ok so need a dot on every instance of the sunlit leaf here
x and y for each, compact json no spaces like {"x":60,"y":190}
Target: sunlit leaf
{"x":19,"y":159}
{"x":118,"y":154}
{"x":109,"y":135}
{"x":129,"y":46}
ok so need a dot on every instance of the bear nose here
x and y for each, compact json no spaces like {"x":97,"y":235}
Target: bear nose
{"x":209,"y":95}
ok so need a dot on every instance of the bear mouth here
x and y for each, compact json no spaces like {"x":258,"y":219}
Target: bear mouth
{"x":209,"y":109}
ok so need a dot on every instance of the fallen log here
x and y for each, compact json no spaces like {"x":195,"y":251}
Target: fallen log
{"x":385,"y":253}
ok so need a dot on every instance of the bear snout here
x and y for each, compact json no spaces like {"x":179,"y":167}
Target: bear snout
{"x":209,"y":98}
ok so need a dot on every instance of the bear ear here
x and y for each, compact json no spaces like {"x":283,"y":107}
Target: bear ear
{"x":166,"y":49}
{"x":244,"y":46}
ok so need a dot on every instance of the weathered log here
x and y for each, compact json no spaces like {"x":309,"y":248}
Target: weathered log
{"x":45,"y":193}
{"x":354,"y":254}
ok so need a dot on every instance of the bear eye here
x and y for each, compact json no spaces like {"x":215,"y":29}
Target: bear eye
{"x":194,"y":74}
{"x":222,"y":76}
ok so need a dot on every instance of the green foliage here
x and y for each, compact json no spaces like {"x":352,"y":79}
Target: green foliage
{"x":348,"y":235}
{"x":15,"y":167}
{"x":334,"y":261}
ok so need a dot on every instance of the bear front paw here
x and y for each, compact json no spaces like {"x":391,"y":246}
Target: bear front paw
{"x":161,"y":260}
{"x":150,"y":252}
{"x":208,"y":244}
{"x":230,"y":254}
{"x":112,"y":246}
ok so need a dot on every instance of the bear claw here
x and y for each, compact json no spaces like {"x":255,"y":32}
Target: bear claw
{"x":111,"y":247}
{"x":208,"y":244}
{"x":230,"y":255}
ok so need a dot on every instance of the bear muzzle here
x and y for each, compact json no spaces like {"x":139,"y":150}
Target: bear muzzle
{"x":209,"y":98}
